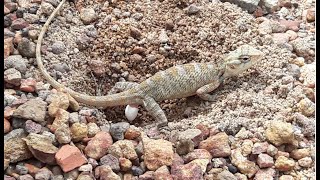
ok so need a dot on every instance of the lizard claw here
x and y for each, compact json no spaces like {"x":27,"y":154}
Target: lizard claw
{"x":131,"y":112}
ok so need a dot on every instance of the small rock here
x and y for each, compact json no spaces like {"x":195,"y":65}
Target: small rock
{"x":105,"y":172}
{"x":93,"y":162}
{"x":85,"y":168}
{"x":27,"y":48}
{"x":184,"y":146}
{"x":88,"y":15}
{"x":193,"y":9}
{"x":33,"y":34}
{"x":245,"y":166}
{"x":125,"y":164}
{"x":93,"y":129}
{"x":162,"y":173}
{"x":62,"y":117}
{"x":78,"y":131}
{"x":74,"y":118}
{"x":280,"y":133}
{"x":291,"y":25}
{"x":284,"y":164}
{"x":272,"y":150}
{"x":271,"y":5}
{"x":147,"y":175}
{"x":136,"y":171}
{"x":286,"y":177}
{"x":265,"y":161}
{"x":46,"y":8}
{"x":292,"y":35}
{"x":28,"y":85}
{"x":305,"y":162}
{"x":32,"y":127}
{"x":8,"y":47}
{"x":163,"y":37}
{"x":135,"y":33}
{"x":310,"y":15}
{"x":98,"y":145}
{"x":34,"y":109}
{"x":16,"y":62}
{"x":85,"y":176}
{"x":43,"y":174}
{"x":187,"y":171}
{"x":7,"y":126}
{"x":111,"y":161}
{"x":123,"y":148}
{"x":226,"y":175}
{"x":41,"y":147}
{"x":12,"y":76}
{"x":97,"y":67}
{"x":157,"y":153}
{"x":217,"y":145}
{"x":307,"y":107}
{"x":249,"y":6}
{"x":58,"y":100}
{"x":24,"y":177}
{"x":83,"y":42}
{"x":21,"y":169}
{"x":191,"y":134}
{"x":265,"y":174}
{"x":19,"y":24}
{"x":7,"y":20}
{"x":280,"y":38}
{"x":69,"y":157}
{"x":303,"y":47}
{"x":259,"y":147}
{"x":58,"y":47}
{"x":63,"y":134}
{"x":131,"y":134}
{"x":300,"y":153}
{"x":246,"y":147}
{"x":117,"y":130}
{"x":308,"y":73}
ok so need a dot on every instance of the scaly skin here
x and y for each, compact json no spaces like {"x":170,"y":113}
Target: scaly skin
{"x":176,"y":82}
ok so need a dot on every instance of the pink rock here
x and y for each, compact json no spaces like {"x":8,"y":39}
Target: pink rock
{"x":99,"y":145}
{"x":19,"y":23}
{"x":259,"y":147}
{"x":217,"y":145}
{"x":265,"y":174}
{"x":264,"y":160}
{"x":69,"y":157}
{"x":28,"y":85}
{"x":8,"y":46}
{"x":280,"y":38}
{"x":291,"y":25}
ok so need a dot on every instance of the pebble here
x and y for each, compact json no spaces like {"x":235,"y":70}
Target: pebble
{"x":286,"y":177}
{"x":7,"y":126}
{"x":85,"y":168}
{"x":61,"y":118}
{"x":88,"y":15}
{"x":302,"y":47}
{"x":245,"y":166}
{"x":310,"y":15}
{"x":279,"y":132}
{"x":47,"y":8}
{"x":94,"y":163}
{"x":306,"y":107}
{"x":98,"y":145}
{"x":16,"y":62}
{"x":308,"y":73}
{"x":305,"y":162}
{"x":193,"y":9}
{"x":105,"y":172}
{"x":27,"y":48}
{"x":58,"y":47}
{"x":21,"y":169}
{"x":217,"y":145}
{"x":83,"y":42}
{"x":226,"y":175}
{"x":28,"y":85}
{"x":162,"y":173}
{"x":157,"y":153}
{"x":271,"y":5}
{"x":7,"y":22}
{"x":41,"y":147}
{"x":284,"y":164}
{"x":12,"y":76}
{"x":307,"y":124}
{"x":93,"y":129}
{"x":19,"y":24}
{"x":32,"y":127}
{"x":125,"y":164}
{"x":57,"y":101}
{"x":34,"y":109}
{"x":117,"y":130}
{"x":290,"y":24}
{"x":264,"y":161}
{"x":246,"y":147}
{"x":184,"y":146}
{"x":33,"y":34}
{"x":63,"y":134}
{"x":43,"y":174}
{"x":111,"y":161}
{"x":24,"y":177}
{"x":187,"y":171}
{"x":132,"y":133}
{"x":78,"y":131}
{"x":265,"y":174}
{"x":69,"y":157}
{"x":123,"y":148}
{"x":8,"y":47}
{"x":272,"y":150}
{"x":260,"y":147}
{"x":135,"y":33}
{"x":15,"y":149}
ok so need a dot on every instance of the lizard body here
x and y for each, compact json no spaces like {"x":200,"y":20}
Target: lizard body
{"x":176,"y":82}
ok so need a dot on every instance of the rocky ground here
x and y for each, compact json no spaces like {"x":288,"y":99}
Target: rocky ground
{"x":262,"y":125}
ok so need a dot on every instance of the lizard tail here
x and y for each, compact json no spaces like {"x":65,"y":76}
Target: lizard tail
{"x":123,"y":98}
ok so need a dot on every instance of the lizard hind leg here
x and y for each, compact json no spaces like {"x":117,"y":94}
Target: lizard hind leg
{"x":155,"y":111}
{"x":122,"y":86}
{"x":203,"y":92}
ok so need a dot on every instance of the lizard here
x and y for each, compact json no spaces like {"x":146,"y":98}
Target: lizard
{"x":176,"y":82}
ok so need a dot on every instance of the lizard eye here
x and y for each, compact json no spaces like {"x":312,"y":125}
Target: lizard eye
{"x":244,"y":58}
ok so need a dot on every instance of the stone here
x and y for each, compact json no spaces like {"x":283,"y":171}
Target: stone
{"x":157,"y":153}
{"x":147,"y":175}
{"x":46,"y":8}
{"x":93,"y":129}
{"x":63,"y":134}
{"x":265,"y":174}
{"x":280,"y":38}
{"x":245,"y":166}
{"x":265,"y":161}
{"x":197,"y":154}
{"x":125,"y":164}
{"x":217,"y":145}
{"x":286,"y":177}
{"x":303,"y":47}
{"x":131,"y":134}
{"x":248,"y":5}
{"x":19,"y":24}
{"x":15,"y":149}
{"x":136,"y":171}
{"x":78,"y":131}
{"x":8,"y":47}
{"x":69,"y":157}
{"x":192,"y":134}
{"x":12,"y":76}
{"x":226,"y":175}
{"x":61,"y":118}
{"x":162,"y":173}
{"x":308,"y":73}
{"x":260,"y":147}
{"x":193,"y":9}
{"x":57,"y":101}
{"x":85,"y":176}
{"x":246,"y":147}
{"x":305,"y":162}
{"x":117,"y":130}
{"x":135,"y":33}
{"x":58,"y":47}
{"x":16,"y":62}
{"x":85,"y":168}
{"x":290,"y":24}
{"x":43,"y":174}
{"x":300,"y":153}
{"x":279,"y":133}
{"x":284,"y":164}
{"x":310,"y":16}
{"x":105,"y":172}
{"x":272,"y":150}
{"x":32,"y":127}
{"x":88,"y":15}
{"x":123,"y":148}
{"x":187,"y":171}
{"x":28,"y":85}
{"x":184,"y":146}
{"x":34,"y":109}
{"x":41,"y":147}
{"x":271,"y":5}
{"x":111,"y":161}
{"x":24,"y":177}
{"x":98,"y":145}
{"x":27,"y":48}
{"x":7,"y":126}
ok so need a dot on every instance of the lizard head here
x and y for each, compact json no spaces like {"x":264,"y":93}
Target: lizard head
{"x":241,"y":59}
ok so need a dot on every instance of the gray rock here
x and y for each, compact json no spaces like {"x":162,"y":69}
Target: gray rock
{"x":17,"y":62}
{"x":91,"y":31}
{"x":117,"y":130}
{"x":21,"y":169}
{"x":12,"y":76}
{"x":34,"y":109}
{"x":46,"y":8}
{"x":26,"y":177}
{"x":58,"y":47}
{"x":88,"y":15}
{"x":27,"y":48}
{"x":112,"y":161}
{"x":18,"y":123}
{"x":43,"y":174}
{"x":16,"y":133}
{"x":303,"y":47}
{"x":32,"y":127}
{"x":248,"y":5}
{"x":193,"y":9}
{"x":271,"y":5}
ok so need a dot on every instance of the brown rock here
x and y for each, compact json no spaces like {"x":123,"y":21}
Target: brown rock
{"x":131,"y":134}
{"x":69,"y":157}
{"x":135,"y":33}
{"x":41,"y":147}
{"x":311,"y":15}
{"x":157,"y":153}
{"x":8,"y":112}
{"x":98,"y":145}
{"x":15,"y":149}
{"x":7,"y":126}
{"x":205,"y":131}
{"x":300,"y":153}
{"x":125,"y":164}
{"x":105,"y":172}
{"x":78,"y":131}
{"x":19,"y":24}
{"x":62,"y":117}
{"x":279,"y":133}
{"x":123,"y":148}
{"x":34,"y":109}
{"x":28,"y":85}
{"x":8,"y":47}
{"x":32,"y":170}
{"x":217,"y":145}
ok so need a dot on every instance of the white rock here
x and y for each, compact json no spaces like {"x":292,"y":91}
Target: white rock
{"x":131,"y":112}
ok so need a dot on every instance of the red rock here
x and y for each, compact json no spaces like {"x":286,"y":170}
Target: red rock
{"x":264,"y":160}
{"x":217,"y":145}
{"x":99,"y":145}
{"x":187,"y":171}
{"x":131,"y":134}
{"x":8,"y":47}
{"x":19,"y":23}
{"x":31,"y":169}
{"x":205,"y":131}
{"x":162,"y":173}
{"x":69,"y":157}
{"x":8,"y":111}
{"x":7,"y":126}
{"x":28,"y":85}
{"x":197,"y":154}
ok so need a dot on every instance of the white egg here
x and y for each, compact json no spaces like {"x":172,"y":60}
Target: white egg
{"x":131,"y":112}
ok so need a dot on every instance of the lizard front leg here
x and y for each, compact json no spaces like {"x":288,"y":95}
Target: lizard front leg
{"x":122,"y":86}
{"x":204,"y":90}
{"x":155,"y":111}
